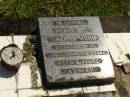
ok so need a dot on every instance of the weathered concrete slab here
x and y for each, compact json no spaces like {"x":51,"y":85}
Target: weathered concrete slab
{"x":125,"y":85}
{"x":7,"y":79}
{"x":107,"y":94}
{"x":28,"y":78}
{"x":82,"y":90}
{"x":102,"y":88}
{"x":6,"y":40}
{"x":8,"y":93}
{"x":24,"y":77}
{"x":91,"y":89}
{"x":118,"y":45}
{"x":39,"y":80}
{"x":74,"y":50}
{"x":61,"y":92}
{"x":32,"y":93}
{"x":24,"y":81}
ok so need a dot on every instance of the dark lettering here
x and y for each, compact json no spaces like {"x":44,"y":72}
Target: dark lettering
{"x":80,"y":70}
{"x":70,"y":22}
{"x":72,"y":38}
{"x":64,"y":30}
{"x":74,"y":46}
{"x":70,"y":54}
{"x":78,"y":62}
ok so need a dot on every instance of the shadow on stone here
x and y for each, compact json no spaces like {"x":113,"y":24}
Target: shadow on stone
{"x":4,"y":73}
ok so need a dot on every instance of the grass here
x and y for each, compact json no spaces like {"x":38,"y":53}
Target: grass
{"x":35,"y":8}
{"x":129,"y":6}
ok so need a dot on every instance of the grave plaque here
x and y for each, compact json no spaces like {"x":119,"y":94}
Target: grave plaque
{"x":74,"y":50}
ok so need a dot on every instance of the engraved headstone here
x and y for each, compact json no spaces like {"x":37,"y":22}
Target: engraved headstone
{"x":74,"y":50}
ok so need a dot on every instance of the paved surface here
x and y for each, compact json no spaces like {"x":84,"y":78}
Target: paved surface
{"x":27,"y":82}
